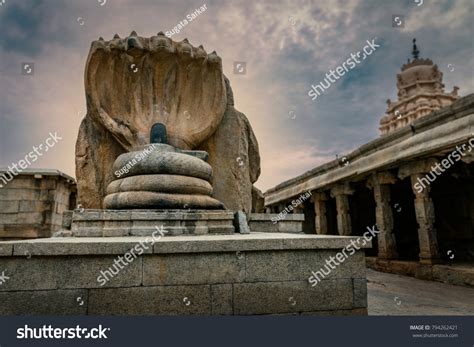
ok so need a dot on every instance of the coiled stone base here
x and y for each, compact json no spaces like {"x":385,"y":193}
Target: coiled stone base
{"x":141,"y":200}
{"x":161,"y":177}
{"x":161,"y":183}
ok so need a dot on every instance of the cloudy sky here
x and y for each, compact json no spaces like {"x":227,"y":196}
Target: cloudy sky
{"x":288,"y":45}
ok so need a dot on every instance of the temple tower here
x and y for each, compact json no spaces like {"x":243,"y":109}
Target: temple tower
{"x":420,"y":92}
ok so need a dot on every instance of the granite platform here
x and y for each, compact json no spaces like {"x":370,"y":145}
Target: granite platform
{"x":238,"y":274}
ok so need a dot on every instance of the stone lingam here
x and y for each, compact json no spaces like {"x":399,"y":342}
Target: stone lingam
{"x":160,"y":176}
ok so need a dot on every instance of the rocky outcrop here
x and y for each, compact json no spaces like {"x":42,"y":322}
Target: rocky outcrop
{"x":234,"y":157}
{"x":96,"y":151}
{"x":135,"y":82}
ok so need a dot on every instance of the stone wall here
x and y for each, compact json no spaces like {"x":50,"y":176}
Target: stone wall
{"x":257,"y":273}
{"x":31,"y":204}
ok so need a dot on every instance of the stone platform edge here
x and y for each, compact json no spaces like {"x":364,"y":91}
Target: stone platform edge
{"x":143,"y":214}
{"x":177,"y":244}
{"x":457,"y":274}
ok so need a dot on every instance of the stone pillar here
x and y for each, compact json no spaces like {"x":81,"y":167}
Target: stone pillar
{"x":424,"y":209}
{"x":320,"y":219}
{"x":341,"y":194}
{"x":380,"y":183}
{"x":425,"y":216}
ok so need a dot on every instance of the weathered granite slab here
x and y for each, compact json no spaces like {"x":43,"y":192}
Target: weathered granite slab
{"x":162,"y":300}
{"x":179,"y":244}
{"x":273,"y":222}
{"x":45,"y":302}
{"x":293,"y":296}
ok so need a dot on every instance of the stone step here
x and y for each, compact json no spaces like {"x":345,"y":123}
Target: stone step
{"x":113,"y":223}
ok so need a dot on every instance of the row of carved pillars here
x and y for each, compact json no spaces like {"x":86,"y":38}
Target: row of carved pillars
{"x":380,"y":183}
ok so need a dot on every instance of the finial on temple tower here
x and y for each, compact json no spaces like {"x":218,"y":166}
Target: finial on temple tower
{"x":415,"y":51}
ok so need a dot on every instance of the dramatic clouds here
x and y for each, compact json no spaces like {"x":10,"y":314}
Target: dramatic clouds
{"x":288,"y":45}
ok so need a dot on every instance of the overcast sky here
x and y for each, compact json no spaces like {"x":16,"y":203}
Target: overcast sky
{"x":288,"y":45}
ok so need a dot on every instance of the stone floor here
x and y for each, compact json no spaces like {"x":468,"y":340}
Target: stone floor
{"x":390,"y":294}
